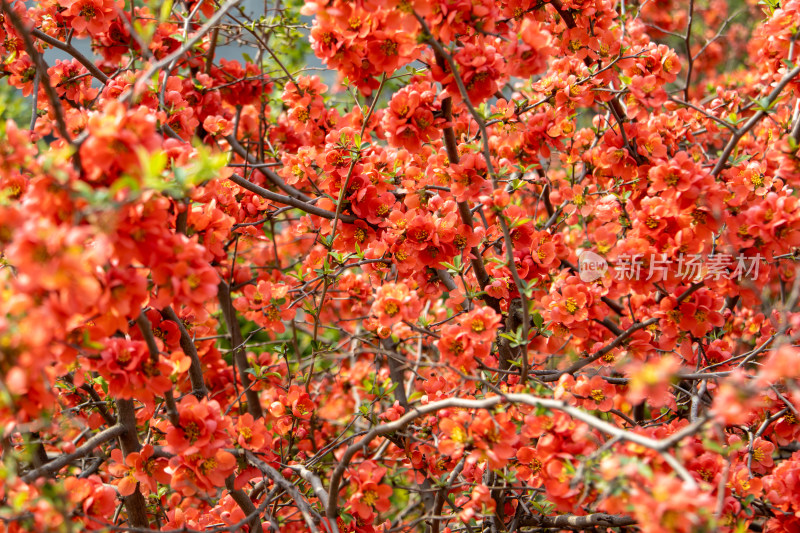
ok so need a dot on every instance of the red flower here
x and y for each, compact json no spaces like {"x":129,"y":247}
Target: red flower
{"x":252,"y":434}
{"x":569,"y":306}
{"x":651,"y":381}
{"x":782,"y":486}
{"x":395,"y":302}
{"x":138,"y":467}
{"x":410,"y":121}
{"x":94,"y":16}
{"x":468,"y":180}
{"x":96,"y":499}
{"x":480,"y":501}
{"x":117,"y":137}
{"x":482,"y":71}
{"x":266,"y":304}
{"x":131,"y":372}
{"x":301,"y":403}
{"x":597,"y":393}
{"x":530,"y":466}
{"x":762,"y":451}
{"x":389,"y":51}
{"x":201,"y":472}
{"x":481,"y":324}
{"x":202,"y":428}
{"x":370,"y":492}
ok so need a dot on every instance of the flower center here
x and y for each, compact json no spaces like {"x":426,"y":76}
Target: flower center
{"x":272,"y":313}
{"x":191,"y":431}
{"x":571,"y":305}
{"x":391,"y":308}
{"x":370,"y":497}
{"x":208,"y":465}
{"x":87,"y":12}
{"x":458,"y":435}
{"x":389,"y":47}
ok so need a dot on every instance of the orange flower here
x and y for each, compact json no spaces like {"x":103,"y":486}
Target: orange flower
{"x":202,"y":428}
{"x":97,"y":500}
{"x":651,"y":381}
{"x":266,"y":304}
{"x":410,"y":121}
{"x":201,"y":472}
{"x":570,"y":306}
{"x":395,"y":302}
{"x":597,"y":393}
{"x":480,"y":324}
{"x":138,"y":467}
{"x":94,"y":16}
{"x":252,"y":434}
{"x":130,"y":370}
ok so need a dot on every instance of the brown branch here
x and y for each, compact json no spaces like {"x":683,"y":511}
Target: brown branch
{"x":187,"y":45}
{"x":703,"y":112}
{"x":74,"y":52}
{"x":441,"y":495}
{"x":41,"y":68}
{"x":147,"y":331}
{"x":687,"y":41}
{"x":314,"y":480}
{"x":618,"y":340}
{"x":129,"y":443}
{"x":443,"y":56}
{"x":302,"y":504}
{"x":464,"y":211}
{"x":577,"y":365}
{"x":616,"y":107}
{"x":235,"y":527}
{"x":82,"y":451}
{"x":288,"y":200}
{"x":239,"y":354}
{"x":660,"y":446}
{"x":737,"y":136}
{"x":271,"y":176}
{"x":199,"y":388}
{"x":245,"y":504}
{"x":569,"y":521}
{"x":355,"y":157}
{"x":99,"y":403}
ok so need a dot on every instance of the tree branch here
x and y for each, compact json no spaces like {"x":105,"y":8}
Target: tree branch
{"x":41,"y":68}
{"x":74,"y":52}
{"x":288,"y":200}
{"x":245,"y":504}
{"x":569,"y":521}
{"x":239,"y":354}
{"x":82,"y":451}
{"x":290,"y":489}
{"x":129,"y":443}
{"x":659,"y":446}
{"x":199,"y":388}
{"x":185,"y":47}
{"x":737,"y":136}
{"x":271,"y":176}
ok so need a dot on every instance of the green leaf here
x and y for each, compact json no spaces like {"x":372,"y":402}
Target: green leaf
{"x":102,"y":382}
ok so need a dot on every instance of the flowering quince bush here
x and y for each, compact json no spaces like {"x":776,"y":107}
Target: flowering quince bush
{"x":245,"y":296}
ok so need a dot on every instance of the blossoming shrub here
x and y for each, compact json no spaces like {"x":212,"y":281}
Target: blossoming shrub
{"x":507,"y":265}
